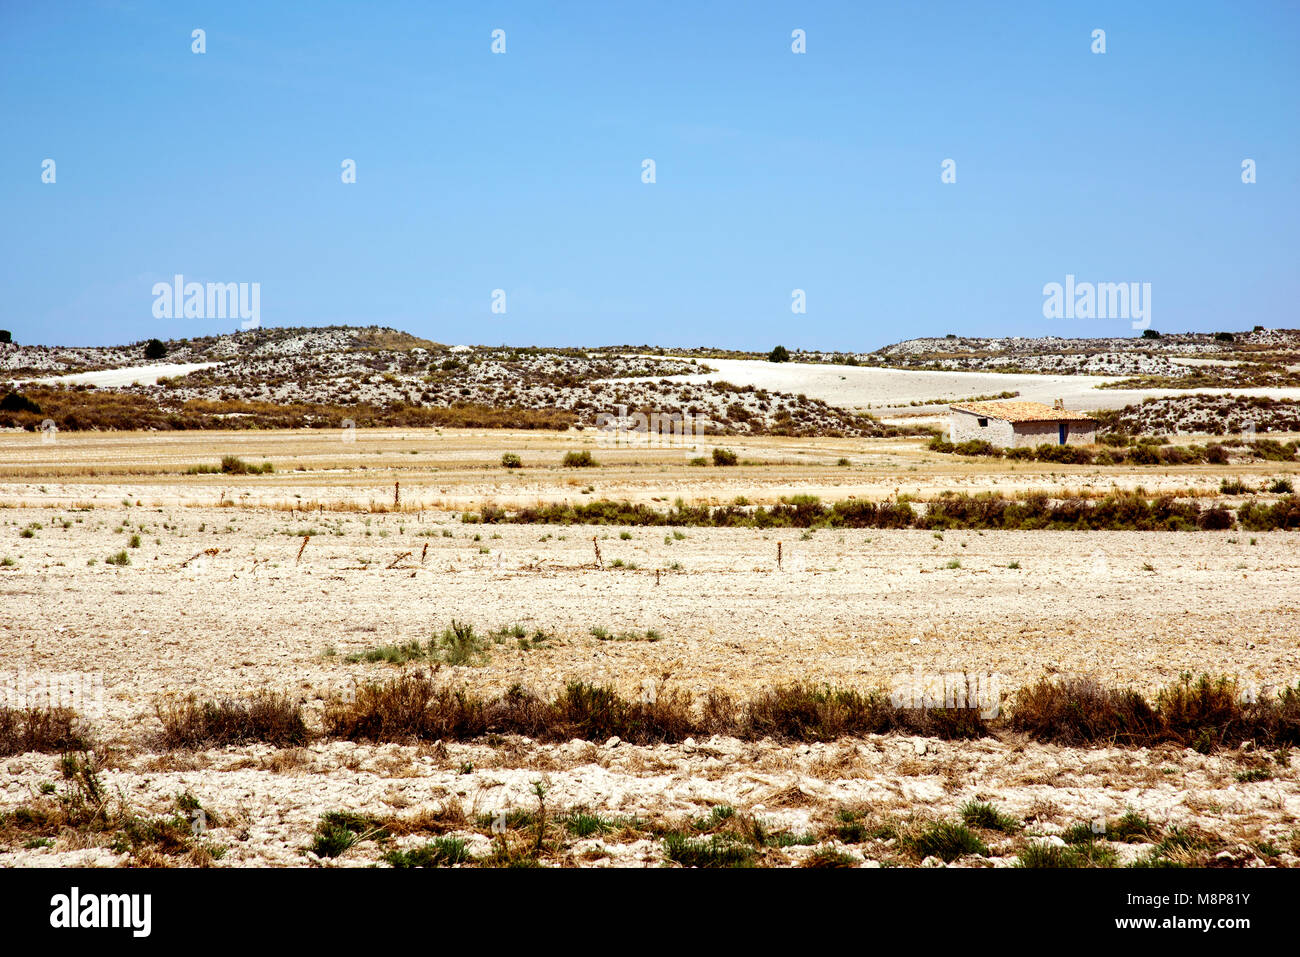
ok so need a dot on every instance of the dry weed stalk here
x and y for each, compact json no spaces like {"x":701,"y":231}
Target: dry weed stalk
{"x":207,"y":551}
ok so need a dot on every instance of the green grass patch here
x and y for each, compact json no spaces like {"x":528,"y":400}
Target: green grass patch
{"x":946,"y":840}
{"x":714,"y":851}
{"x":440,"y":852}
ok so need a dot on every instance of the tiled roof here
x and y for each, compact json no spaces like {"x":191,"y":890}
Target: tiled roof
{"x":1021,"y":412}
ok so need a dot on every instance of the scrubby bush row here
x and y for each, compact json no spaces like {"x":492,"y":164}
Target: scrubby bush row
{"x":232,"y":465}
{"x":413,"y":705}
{"x":1215,"y":414}
{"x":1121,"y":450}
{"x":82,"y":408}
{"x":1121,"y":510}
{"x":41,"y":729}
{"x":1204,"y":713}
{"x":190,"y":723}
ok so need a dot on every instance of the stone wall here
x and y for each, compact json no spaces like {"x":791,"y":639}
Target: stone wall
{"x":1038,"y":433}
{"x":965,"y":426}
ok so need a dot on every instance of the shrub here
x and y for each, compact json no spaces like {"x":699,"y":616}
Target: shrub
{"x":1203,"y":713}
{"x":725,"y":457}
{"x":1216,"y":454}
{"x":1273,"y":451}
{"x":408,"y":706}
{"x":511,"y":461}
{"x":1079,"y":711}
{"x":974,"y":447}
{"x":1120,"y":449}
{"x":1216,"y":518}
{"x":17,"y":402}
{"x":51,"y":730}
{"x":581,"y":459}
{"x":801,"y":712}
{"x":233,"y":465}
{"x":1256,"y":517}
{"x":597,"y":713}
{"x":1065,"y":454}
{"x":458,"y":645}
{"x":266,"y":717}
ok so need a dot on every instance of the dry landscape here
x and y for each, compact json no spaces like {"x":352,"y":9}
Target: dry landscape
{"x":647,"y":448}
{"x":230,"y":631}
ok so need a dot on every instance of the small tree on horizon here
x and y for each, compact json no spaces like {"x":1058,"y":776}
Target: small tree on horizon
{"x":154,"y":349}
{"x":779,"y":354}
{"x":6,"y":336}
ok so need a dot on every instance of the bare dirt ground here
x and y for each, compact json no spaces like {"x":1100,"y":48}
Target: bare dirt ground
{"x":853,"y":607}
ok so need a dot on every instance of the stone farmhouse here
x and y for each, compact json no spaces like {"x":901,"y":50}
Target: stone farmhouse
{"x":1015,"y":424}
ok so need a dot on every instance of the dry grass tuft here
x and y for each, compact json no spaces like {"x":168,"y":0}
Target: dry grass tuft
{"x":1204,"y":713}
{"x":1080,"y":711}
{"x":428,"y":820}
{"x":266,"y":717}
{"x":50,"y":730}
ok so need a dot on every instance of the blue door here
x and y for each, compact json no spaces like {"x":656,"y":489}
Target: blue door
{"x":1061,"y":430}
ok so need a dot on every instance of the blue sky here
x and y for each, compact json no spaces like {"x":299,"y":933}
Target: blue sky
{"x":775,"y":171}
